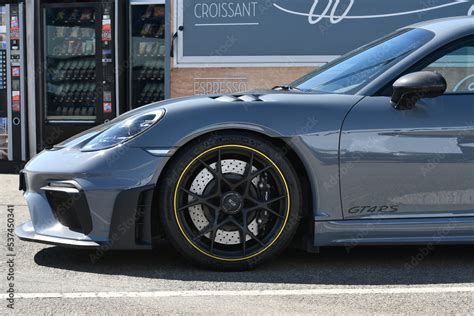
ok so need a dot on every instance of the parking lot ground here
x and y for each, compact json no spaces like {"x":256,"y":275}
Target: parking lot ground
{"x":389,"y":280}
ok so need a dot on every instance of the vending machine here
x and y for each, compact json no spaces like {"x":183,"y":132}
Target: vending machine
{"x":13,"y":133}
{"x":148,"y":58}
{"x":78,"y":63}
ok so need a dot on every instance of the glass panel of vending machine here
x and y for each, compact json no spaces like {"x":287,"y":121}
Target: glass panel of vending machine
{"x":78,"y":59}
{"x":147,"y":53}
{"x":70,"y":63}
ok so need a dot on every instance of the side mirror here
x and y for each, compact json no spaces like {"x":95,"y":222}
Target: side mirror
{"x":410,"y":88}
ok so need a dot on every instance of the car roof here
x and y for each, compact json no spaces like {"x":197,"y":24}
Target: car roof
{"x":453,"y":25}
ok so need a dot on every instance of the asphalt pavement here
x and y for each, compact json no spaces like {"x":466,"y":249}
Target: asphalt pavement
{"x":388,"y":280}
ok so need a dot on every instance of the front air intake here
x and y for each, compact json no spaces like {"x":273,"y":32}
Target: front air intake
{"x":71,"y":209}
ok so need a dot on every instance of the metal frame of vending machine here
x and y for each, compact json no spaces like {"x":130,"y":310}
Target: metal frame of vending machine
{"x":12,"y":86}
{"x":148,"y":47}
{"x":77,"y":86}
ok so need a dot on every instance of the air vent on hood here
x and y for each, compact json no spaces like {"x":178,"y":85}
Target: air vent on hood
{"x":238,"y":98}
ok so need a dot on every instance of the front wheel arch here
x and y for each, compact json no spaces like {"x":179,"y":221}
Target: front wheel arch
{"x":305,"y":232}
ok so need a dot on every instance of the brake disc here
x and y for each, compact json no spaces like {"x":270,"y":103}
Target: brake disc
{"x":197,"y":214}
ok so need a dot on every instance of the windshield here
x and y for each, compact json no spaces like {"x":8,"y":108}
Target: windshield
{"x":352,"y":72}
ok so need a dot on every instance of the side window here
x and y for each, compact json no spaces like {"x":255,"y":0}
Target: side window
{"x":457,"y":67}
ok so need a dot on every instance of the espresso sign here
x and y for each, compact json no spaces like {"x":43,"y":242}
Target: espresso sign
{"x":294,"y":31}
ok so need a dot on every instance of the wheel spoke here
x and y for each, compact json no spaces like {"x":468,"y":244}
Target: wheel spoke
{"x":243,"y":233}
{"x":255,"y":238}
{"x":250,"y":177}
{"x":218,"y":175}
{"x":258,"y":207}
{"x":259,"y":172}
{"x":206,"y":230}
{"x":213,"y":239}
{"x":248,"y":172}
{"x":248,"y":167}
{"x":197,"y":196}
{"x":214,"y":231}
{"x":211,"y":227}
{"x":219,"y":172}
{"x":265,"y":205}
{"x":275,"y":199}
{"x":243,"y":241}
{"x":195,"y":203}
{"x":273,"y":212}
{"x":198,"y":199}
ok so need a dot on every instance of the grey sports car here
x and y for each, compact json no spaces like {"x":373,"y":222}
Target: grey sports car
{"x":376,"y":147}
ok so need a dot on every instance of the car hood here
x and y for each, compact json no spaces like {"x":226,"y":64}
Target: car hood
{"x":276,"y":113}
{"x":252,"y":97}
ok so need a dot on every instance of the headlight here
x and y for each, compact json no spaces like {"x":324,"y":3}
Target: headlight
{"x":125,"y":130}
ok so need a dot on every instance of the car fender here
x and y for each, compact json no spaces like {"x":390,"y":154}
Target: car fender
{"x":310,"y":124}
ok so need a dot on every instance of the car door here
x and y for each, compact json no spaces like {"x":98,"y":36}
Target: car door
{"x":415,"y":163}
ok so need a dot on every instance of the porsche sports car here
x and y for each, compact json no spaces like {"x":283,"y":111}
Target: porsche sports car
{"x":376,"y":147}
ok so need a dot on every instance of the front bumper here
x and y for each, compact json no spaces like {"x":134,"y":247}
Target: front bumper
{"x":91,"y":199}
{"x":27,"y":232}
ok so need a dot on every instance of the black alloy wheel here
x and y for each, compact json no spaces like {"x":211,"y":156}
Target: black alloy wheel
{"x":231,"y":204}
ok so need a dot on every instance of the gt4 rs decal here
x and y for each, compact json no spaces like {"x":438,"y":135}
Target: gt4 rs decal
{"x":374,"y":209}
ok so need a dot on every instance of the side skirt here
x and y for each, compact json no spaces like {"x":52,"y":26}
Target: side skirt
{"x":394,"y":231}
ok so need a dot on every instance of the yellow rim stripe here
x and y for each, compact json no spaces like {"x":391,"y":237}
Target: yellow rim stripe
{"x":176,"y":195}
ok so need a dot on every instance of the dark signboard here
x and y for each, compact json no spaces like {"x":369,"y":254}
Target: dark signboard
{"x":295,"y":30}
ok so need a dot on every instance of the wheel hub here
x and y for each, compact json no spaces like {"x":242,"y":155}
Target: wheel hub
{"x":232,"y":202}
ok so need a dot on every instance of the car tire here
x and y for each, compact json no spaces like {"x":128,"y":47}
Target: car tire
{"x":236,"y":216}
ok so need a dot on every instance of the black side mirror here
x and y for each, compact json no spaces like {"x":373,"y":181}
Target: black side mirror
{"x":412,"y":87}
